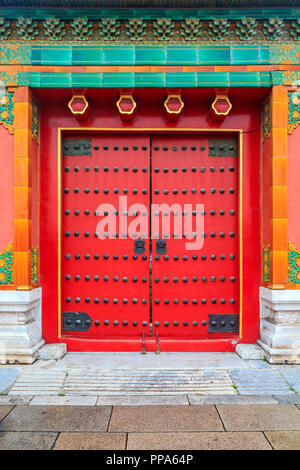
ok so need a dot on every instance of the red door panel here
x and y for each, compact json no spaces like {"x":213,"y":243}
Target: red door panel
{"x":191,"y":285}
{"x":103,"y":278}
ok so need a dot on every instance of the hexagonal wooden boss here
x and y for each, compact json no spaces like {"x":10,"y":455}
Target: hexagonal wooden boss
{"x":220,"y":107}
{"x":79,"y":106}
{"x":173,"y":106}
{"x":126,"y":106}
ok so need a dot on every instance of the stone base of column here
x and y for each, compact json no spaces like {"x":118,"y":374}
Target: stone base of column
{"x":280,"y":325}
{"x":20,"y":326}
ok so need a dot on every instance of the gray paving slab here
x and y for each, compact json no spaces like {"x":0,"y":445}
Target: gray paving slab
{"x":259,"y":418}
{"x":15,"y":400}
{"x":4,"y":410}
{"x":164,"y":418}
{"x":231,"y":400}
{"x":135,"y":400}
{"x":64,"y":400}
{"x":57,"y":418}
{"x":284,"y":440}
{"x":259,"y":364}
{"x":198,"y":441}
{"x":90,"y":441}
{"x":27,"y":440}
{"x":288,"y":399}
{"x":259,"y":382}
{"x":8,"y":376}
{"x":292,"y":376}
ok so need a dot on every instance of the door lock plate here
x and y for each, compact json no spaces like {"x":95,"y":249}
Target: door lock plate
{"x":76,"y":321}
{"x":223,"y":323}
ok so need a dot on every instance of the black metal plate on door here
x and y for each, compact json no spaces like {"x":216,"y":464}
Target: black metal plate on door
{"x":223,"y":147}
{"x":223,"y":323}
{"x":76,"y":321}
{"x":76,"y":147}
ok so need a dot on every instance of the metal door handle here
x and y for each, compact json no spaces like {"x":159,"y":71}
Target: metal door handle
{"x":161,"y":246}
{"x":139,"y":246}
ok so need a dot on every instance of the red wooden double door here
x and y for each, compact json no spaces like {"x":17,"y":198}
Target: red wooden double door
{"x":150,"y":236}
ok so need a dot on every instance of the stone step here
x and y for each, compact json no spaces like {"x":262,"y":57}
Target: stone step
{"x":41,"y":382}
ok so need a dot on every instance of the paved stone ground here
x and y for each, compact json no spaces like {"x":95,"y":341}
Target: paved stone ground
{"x":148,"y":427}
{"x":168,"y":402}
{"x":89,"y":374}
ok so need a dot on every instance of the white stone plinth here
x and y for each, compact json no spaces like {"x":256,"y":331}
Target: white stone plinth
{"x":20,"y":326}
{"x":280,"y":325}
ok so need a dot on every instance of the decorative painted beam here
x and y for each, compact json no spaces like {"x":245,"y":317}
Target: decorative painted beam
{"x":95,"y":55}
{"x":149,"y":80}
{"x":290,"y":78}
{"x":150,"y":55}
